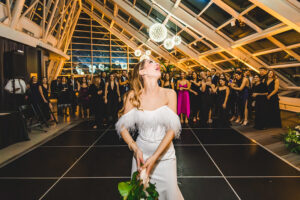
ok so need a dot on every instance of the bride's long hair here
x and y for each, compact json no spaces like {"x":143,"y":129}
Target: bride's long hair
{"x":136,"y":85}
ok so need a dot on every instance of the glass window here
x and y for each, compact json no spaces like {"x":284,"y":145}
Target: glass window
{"x":277,"y":58}
{"x":127,"y":34}
{"x":209,"y":42}
{"x":239,"y":31}
{"x":261,"y":18}
{"x":215,"y":57}
{"x":81,"y":40}
{"x":110,"y":5}
{"x":190,"y":63}
{"x":297,"y":50}
{"x":173,"y":27}
{"x":225,"y":65}
{"x":260,"y":45}
{"x":143,"y":6}
{"x":97,"y":41}
{"x":101,"y":48}
{"x":117,"y":27}
{"x":84,"y":21}
{"x":81,"y":46}
{"x":81,"y":53}
{"x":179,"y":55}
{"x":145,"y":31}
{"x":238,"y":5}
{"x":99,"y":29}
{"x":82,"y":34}
{"x":291,"y":73}
{"x":200,"y":47}
{"x":134,"y":23}
{"x":215,"y":15}
{"x":123,"y":15}
{"x":83,"y":28}
{"x":187,"y":38}
{"x":101,"y":54}
{"x":157,"y":16}
{"x":195,"y":5}
{"x":107,"y":20}
{"x":289,"y":37}
{"x":227,"y":54}
{"x":105,"y":60}
{"x":81,"y":59}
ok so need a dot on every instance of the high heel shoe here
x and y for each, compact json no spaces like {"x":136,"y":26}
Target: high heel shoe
{"x":245,"y":123}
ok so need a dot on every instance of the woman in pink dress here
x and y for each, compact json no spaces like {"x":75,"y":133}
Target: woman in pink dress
{"x":183,"y":106}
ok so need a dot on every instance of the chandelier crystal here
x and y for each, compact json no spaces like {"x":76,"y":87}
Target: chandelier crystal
{"x":177,"y":40}
{"x":137,"y":53}
{"x":158,"y":32}
{"x":143,"y":57}
{"x":169,"y":43}
{"x":148,"y":52}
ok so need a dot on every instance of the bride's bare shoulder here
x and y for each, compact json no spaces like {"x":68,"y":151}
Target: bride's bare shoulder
{"x":169,"y":91}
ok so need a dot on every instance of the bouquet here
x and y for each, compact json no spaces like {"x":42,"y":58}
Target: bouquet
{"x":292,"y":139}
{"x":138,"y":188}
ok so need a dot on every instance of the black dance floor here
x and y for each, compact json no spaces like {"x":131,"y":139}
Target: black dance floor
{"x":86,"y":164}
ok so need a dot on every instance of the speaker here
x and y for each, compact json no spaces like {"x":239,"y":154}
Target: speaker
{"x":14,"y":65}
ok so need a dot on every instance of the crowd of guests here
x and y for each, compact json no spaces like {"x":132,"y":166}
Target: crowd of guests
{"x":206,"y":98}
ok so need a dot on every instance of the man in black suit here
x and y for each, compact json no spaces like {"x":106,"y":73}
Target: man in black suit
{"x":214,"y":77}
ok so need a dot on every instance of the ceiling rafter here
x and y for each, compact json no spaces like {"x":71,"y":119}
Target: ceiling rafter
{"x":147,"y":22}
{"x":202,"y":29}
{"x":282,"y":10}
{"x":138,"y":35}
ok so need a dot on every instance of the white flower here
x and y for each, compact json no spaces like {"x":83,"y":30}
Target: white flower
{"x":144,"y":178}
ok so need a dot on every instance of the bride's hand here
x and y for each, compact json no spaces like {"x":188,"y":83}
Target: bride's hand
{"x":150,"y":162}
{"x":139,"y":158}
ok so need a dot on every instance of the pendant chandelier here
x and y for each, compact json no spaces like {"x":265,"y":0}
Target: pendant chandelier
{"x":158,"y":32}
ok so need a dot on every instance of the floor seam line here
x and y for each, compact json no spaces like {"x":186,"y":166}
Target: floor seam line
{"x":220,"y":171}
{"x":77,"y":160}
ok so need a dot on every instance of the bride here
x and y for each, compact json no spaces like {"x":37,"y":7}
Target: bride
{"x":152,"y":110}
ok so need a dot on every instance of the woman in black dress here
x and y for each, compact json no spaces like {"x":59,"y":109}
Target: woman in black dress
{"x":222,"y":99}
{"x":194,"y":96}
{"x":207,"y":89}
{"x":259,"y":95}
{"x":64,"y":97}
{"x":97,"y":92}
{"x":84,"y":99}
{"x":167,"y":83}
{"x":273,"y":111}
{"x":45,"y":105}
{"x":112,"y":98}
{"x":242,"y":86}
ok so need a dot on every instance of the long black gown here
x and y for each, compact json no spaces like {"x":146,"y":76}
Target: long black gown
{"x":206,"y":105}
{"x":112,"y":101}
{"x":260,"y":106}
{"x":97,"y":102}
{"x":273,"y":110}
{"x":223,"y":119}
{"x":195,"y":100}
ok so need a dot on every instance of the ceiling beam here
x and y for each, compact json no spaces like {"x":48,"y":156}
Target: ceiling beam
{"x":147,"y":22}
{"x":138,"y":35}
{"x":199,"y":27}
{"x":282,"y":10}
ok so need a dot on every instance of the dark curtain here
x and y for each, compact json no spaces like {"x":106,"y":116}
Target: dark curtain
{"x":6,"y":46}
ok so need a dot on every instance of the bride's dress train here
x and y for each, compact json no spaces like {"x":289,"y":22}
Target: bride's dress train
{"x":152,"y":127}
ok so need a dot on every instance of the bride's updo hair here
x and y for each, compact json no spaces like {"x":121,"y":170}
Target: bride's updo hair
{"x":136,"y":85}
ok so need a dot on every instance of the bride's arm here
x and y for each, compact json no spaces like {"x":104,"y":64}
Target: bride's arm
{"x":127,"y":137}
{"x":164,"y":144}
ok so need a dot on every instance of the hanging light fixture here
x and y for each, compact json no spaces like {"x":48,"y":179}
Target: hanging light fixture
{"x":169,"y":43}
{"x":177,"y":40}
{"x":143,"y":57}
{"x":158,"y":32}
{"x":117,"y":62}
{"x":137,"y":53}
{"x":148,"y":52}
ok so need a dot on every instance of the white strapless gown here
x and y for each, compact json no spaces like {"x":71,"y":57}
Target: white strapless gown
{"x":152,"y":127}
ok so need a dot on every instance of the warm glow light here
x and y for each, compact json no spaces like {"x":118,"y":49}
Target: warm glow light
{"x":158,"y":32}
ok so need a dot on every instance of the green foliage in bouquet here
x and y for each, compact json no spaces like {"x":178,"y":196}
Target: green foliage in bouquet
{"x":134,"y":189}
{"x":167,"y":68}
{"x":292,"y":139}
